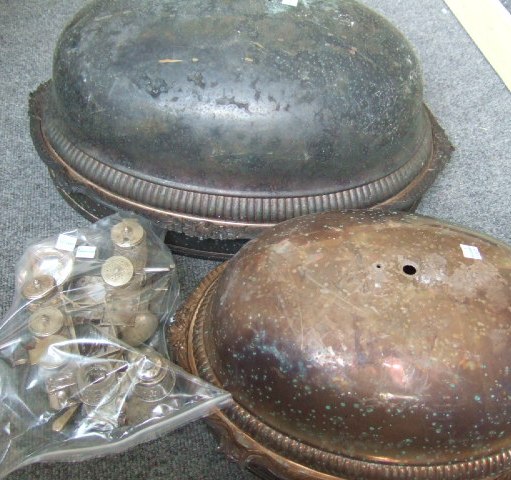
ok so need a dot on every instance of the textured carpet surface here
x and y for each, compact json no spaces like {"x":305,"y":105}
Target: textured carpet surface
{"x":461,"y":88}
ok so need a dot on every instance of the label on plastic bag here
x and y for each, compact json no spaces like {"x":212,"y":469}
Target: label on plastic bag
{"x":84,"y":369}
{"x":66,"y":242}
{"x":291,"y":3}
{"x":86,"y":251}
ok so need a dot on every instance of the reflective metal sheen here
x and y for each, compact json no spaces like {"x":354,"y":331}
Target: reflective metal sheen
{"x":359,"y":345}
{"x":218,"y":119}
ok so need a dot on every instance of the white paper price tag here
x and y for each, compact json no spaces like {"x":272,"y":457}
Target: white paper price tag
{"x":469,"y":251}
{"x":292,"y":3}
{"x":86,"y":251}
{"x":66,"y":242}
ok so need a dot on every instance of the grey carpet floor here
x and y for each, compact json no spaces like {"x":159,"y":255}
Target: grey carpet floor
{"x":463,"y":91}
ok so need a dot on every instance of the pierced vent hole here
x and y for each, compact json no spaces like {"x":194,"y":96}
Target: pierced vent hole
{"x":378,"y":265}
{"x":409,"y":269}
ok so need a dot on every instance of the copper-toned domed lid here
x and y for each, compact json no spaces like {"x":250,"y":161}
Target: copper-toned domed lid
{"x":220,"y":118}
{"x":361,"y":345}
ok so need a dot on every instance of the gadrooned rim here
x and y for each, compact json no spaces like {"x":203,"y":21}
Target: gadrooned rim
{"x":311,"y":457}
{"x":230,"y":208}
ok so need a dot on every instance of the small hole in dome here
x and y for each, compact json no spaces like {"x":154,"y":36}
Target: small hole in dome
{"x":378,"y":265}
{"x":409,"y":269}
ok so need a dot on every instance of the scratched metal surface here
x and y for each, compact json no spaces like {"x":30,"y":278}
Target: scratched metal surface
{"x":461,"y":88}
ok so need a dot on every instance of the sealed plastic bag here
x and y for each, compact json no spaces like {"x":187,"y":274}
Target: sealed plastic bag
{"x":84,"y":369}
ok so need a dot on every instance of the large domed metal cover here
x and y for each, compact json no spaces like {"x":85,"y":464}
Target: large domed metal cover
{"x":363,"y":345}
{"x":218,"y":119}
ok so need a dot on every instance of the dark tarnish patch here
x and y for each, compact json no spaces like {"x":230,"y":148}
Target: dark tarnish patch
{"x":232,"y":101}
{"x":197,"y":79}
{"x":257,"y":94}
{"x":153,"y":86}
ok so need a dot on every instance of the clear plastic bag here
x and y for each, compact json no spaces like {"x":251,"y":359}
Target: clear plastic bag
{"x":84,"y":369}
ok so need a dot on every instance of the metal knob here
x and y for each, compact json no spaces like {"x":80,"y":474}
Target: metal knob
{"x":117,"y":271}
{"x":97,"y":383}
{"x":39,"y":287}
{"x":127,"y":234}
{"x":145,"y":324}
{"x":46,"y":322}
{"x":154,"y":379}
{"x":129,"y":239}
{"x":39,"y":291}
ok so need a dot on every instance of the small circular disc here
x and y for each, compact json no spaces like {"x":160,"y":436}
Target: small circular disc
{"x":152,"y":375}
{"x":127,"y":234}
{"x":97,"y":383}
{"x":117,"y":271}
{"x":38,"y":287}
{"x":151,"y":367}
{"x":151,"y":370}
{"x":46,"y":321}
